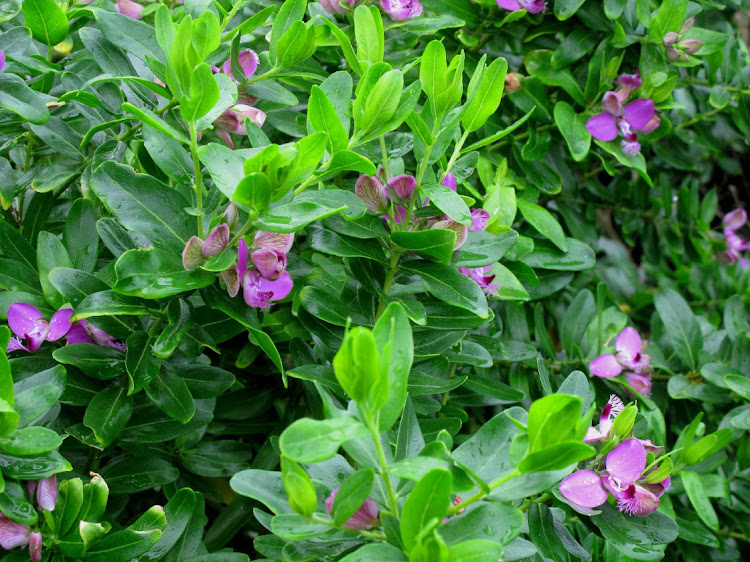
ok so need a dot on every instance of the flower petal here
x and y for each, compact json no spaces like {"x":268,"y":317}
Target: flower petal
{"x":736,"y":219}
{"x":23,"y":318}
{"x":511,"y":5}
{"x":13,"y":534}
{"x":242,"y":258}
{"x":639,"y":112}
{"x":280,"y":288}
{"x":60,"y":324}
{"x":77,"y":334}
{"x":629,"y":342}
{"x":216,"y":240}
{"x":403,"y":186}
{"x":46,"y":493}
{"x":273,"y":240}
{"x":640,"y":382}
{"x":584,"y":488}
{"x":602,"y":127}
{"x":626,"y":462}
{"x":605,"y":366}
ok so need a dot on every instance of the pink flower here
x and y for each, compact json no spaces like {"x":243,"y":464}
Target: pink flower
{"x":35,"y":546}
{"x":258,"y":291}
{"x":273,"y":240}
{"x":462,"y":232}
{"x":28,"y":323}
{"x":629,"y":347}
{"x":402,"y":187}
{"x":734,"y":220}
{"x":233,"y":121}
{"x":248,"y":62}
{"x":607,"y":419}
{"x":270,"y":263}
{"x":637,"y":116}
{"x":46,"y":493}
{"x":85,"y":332}
{"x":480,"y":217}
{"x":13,"y":534}
{"x":373,"y":193}
{"x":366,"y":517}
{"x":335,"y":6}
{"x":400,"y":10}
{"x":531,"y":6}
{"x":216,"y":240}
{"x":480,"y":277}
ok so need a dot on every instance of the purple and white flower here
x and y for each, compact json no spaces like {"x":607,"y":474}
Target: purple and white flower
{"x":638,"y":116}
{"x":29,"y":325}
{"x":480,"y":276}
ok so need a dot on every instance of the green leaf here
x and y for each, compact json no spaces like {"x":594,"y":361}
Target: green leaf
{"x":100,"y":362}
{"x":6,"y":379}
{"x":170,"y":394}
{"x":487,"y":99}
{"x":491,"y":520}
{"x":556,"y":457}
{"x":343,"y":246}
{"x":204,"y":93}
{"x":264,"y":486}
{"x":104,"y":303}
{"x":253,"y":193}
{"x":32,"y":440}
{"x":108,"y":414}
{"x":448,"y":285}
{"x":578,"y":256}
{"x":122,"y":545}
{"x":448,"y":201}
{"x":154,"y":274}
{"x":15,"y":506}
{"x":46,"y":20}
{"x":573,"y":129}
{"x":50,"y":254}
{"x":80,"y":236}
{"x":553,"y":419}
{"x":68,"y":505}
{"x":706,"y":446}
{"x":543,"y":221}
{"x":328,"y":308}
{"x":358,"y":369}
{"x":351,"y":495}
{"x":294,"y":216}
{"x":141,"y":365}
{"x":344,"y":161}
{"x":129,"y":475}
{"x":698,"y":498}
{"x":17,"y":97}
{"x":435,"y":242}
{"x":684,"y":331}
{"x":131,"y":35}
{"x":539,"y":65}
{"x":670,"y":16}
{"x":144,"y":204}
{"x":565,"y":9}
{"x":322,"y":116}
{"x":35,"y":467}
{"x":9,"y":418}
{"x":15,"y":276}
{"x":178,"y":322}
{"x":483,"y":248}
{"x":151,"y":119}
{"x":382,"y":101}
{"x":15,"y":246}
{"x":290,"y":12}
{"x":433,"y":69}
{"x":368,"y":32}
{"x":299,"y":486}
{"x":307,"y":440}
{"x":641,"y":538}
{"x":296,"y":45}
{"x":426,"y":504}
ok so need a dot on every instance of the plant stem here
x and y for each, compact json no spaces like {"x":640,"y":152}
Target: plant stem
{"x":242,"y":231}
{"x":392,"y":499}
{"x":456,"y":153}
{"x":384,"y":152}
{"x":231,"y":14}
{"x":540,"y":499}
{"x":481,"y":493}
{"x":198,"y":176}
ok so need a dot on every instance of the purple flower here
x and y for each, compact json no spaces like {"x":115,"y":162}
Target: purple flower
{"x":258,"y":291}
{"x":450,"y":181}
{"x":28,"y":323}
{"x":46,"y":493}
{"x":270,"y":263}
{"x":373,"y":193}
{"x":84,"y":332}
{"x":400,"y":10}
{"x":233,"y":121}
{"x":402,"y":187}
{"x":480,"y":277}
{"x":480,"y":217}
{"x":2,"y":59}
{"x":629,"y":347}
{"x":216,"y":240}
{"x":637,"y":116}
{"x":735,"y":220}
{"x":335,"y":6}
{"x":640,"y":382}
{"x":129,"y":8}
{"x":35,"y":546}
{"x":13,"y":534}
{"x":366,"y":517}
{"x":531,"y":6}
{"x":607,"y":419}
{"x":622,"y":478}
{"x":248,"y":62}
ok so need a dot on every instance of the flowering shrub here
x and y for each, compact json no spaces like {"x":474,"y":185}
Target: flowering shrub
{"x":349,"y":280}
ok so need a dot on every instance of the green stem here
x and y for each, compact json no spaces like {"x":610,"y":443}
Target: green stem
{"x":392,"y":499}
{"x":384,"y":152}
{"x":368,"y":534}
{"x":698,"y":119}
{"x":481,"y":493}
{"x":456,"y":153}
{"x":231,"y":14}
{"x":242,"y":231}
{"x":540,"y":499}
{"x":265,"y":76}
{"x":198,"y":176}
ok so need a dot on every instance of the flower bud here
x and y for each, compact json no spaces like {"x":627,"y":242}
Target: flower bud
{"x":688,"y":24}
{"x":373,"y":193}
{"x":670,"y":39}
{"x":269,"y":263}
{"x":675,"y":55}
{"x":46,"y":493}
{"x":611,"y":104}
{"x":512,"y":82}
{"x":231,"y":215}
{"x":403,"y":186}
{"x":273,"y":240}
{"x":691,"y":46}
{"x":335,"y":6}
{"x":35,"y":546}
{"x":462,"y":232}
{"x":192,"y":255}
{"x":736,"y":219}
{"x":216,"y":241}
{"x":129,"y":8}
{"x":231,"y":279}
{"x":450,"y":181}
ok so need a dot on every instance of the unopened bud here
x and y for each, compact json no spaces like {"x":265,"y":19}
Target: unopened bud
{"x":691,"y":46}
{"x":675,"y":55}
{"x":46,"y":493}
{"x":231,"y":215}
{"x":403,"y":186}
{"x":35,"y":546}
{"x":688,"y":24}
{"x":462,"y":232}
{"x":216,"y":241}
{"x":512,"y":82}
{"x":231,"y":279}
{"x":192,"y":255}
{"x":373,"y":193}
{"x":671,"y":38}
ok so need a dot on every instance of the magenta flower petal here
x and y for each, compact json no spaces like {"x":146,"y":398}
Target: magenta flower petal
{"x":23,"y":318}
{"x":584,"y":488}
{"x":400,"y":10}
{"x":273,"y":240}
{"x":511,"y":5}
{"x":259,"y":292}
{"x":280,"y":288}
{"x":450,"y":181}
{"x":611,"y":104}
{"x":46,"y":493}
{"x":2,"y":60}
{"x":77,"y":334}
{"x":35,"y":546}
{"x":605,"y":366}
{"x":639,"y":112}
{"x":269,"y":263}
{"x":636,"y":500}
{"x":15,"y":344}
{"x":248,"y":62}
{"x":630,"y":80}
{"x":403,"y":186}
{"x":60,"y":324}
{"x":242,"y":258}
{"x":129,"y":8}
{"x":480,"y":218}
{"x":629,"y":342}
{"x":13,"y":534}
{"x":373,"y":193}
{"x":640,"y":382}
{"x":602,"y":127}
{"x":626,"y":462}
{"x":216,"y":240}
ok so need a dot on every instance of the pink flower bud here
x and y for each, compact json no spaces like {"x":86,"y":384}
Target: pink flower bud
{"x":691,"y":46}
{"x":35,"y":546}
{"x":675,"y":55}
{"x":248,"y":62}
{"x":269,"y":263}
{"x":231,"y":279}
{"x":373,"y":193}
{"x":670,"y":39}
{"x":216,"y":241}
{"x":366,"y":517}
{"x":403,"y":186}
{"x":192,"y":255}
{"x":450,"y":181}
{"x":336,"y":6}
{"x":273,"y":240}
{"x":688,"y":24}
{"x":512,"y":82}
{"x":462,"y":232}
{"x":231,"y":215}
{"x":46,"y":493}
{"x":129,"y":8}
{"x":736,"y":219}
